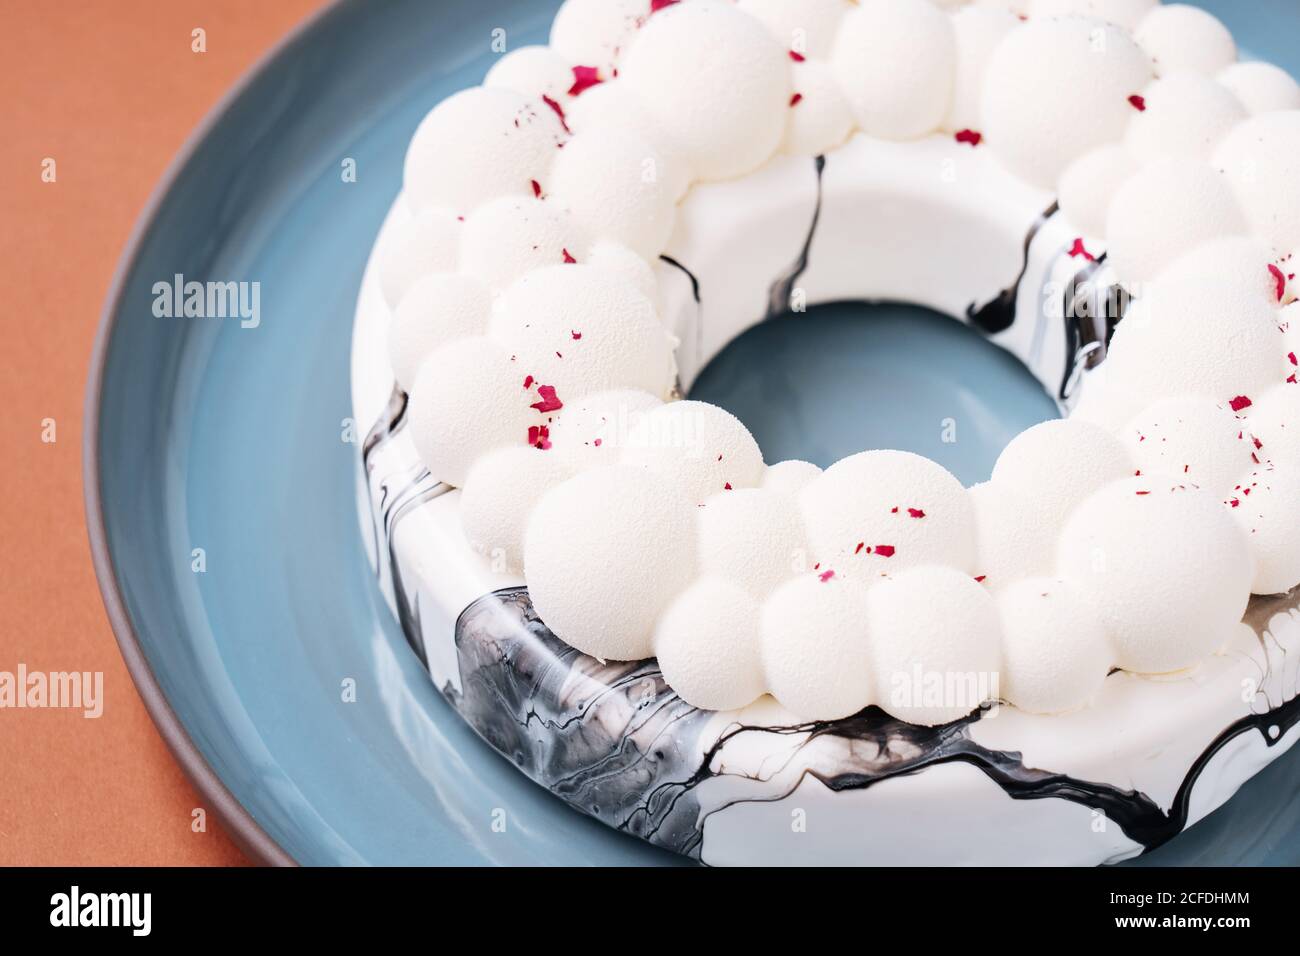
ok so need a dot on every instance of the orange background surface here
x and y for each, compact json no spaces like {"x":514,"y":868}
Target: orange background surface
{"x":109,"y":89}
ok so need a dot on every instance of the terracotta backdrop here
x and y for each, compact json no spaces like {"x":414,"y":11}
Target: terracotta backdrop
{"x":109,"y":89}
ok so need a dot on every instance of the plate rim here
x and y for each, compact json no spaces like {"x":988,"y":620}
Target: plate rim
{"x":238,"y":822}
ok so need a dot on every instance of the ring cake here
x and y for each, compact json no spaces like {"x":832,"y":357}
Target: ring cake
{"x":749,"y":661}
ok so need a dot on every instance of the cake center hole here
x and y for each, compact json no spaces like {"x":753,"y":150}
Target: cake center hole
{"x":844,"y":377}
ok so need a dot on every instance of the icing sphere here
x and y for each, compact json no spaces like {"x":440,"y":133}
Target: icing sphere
{"x":604,"y":554}
{"x":1123,"y":13}
{"x":509,"y":236}
{"x":426,"y":242}
{"x":1168,"y":571}
{"x":1055,"y":656}
{"x":1182,"y":37}
{"x":593,"y":430}
{"x":1186,"y":115}
{"x":701,"y":447}
{"x":1044,"y":64}
{"x":479,"y":144}
{"x":815,"y":647}
{"x":806,"y":27}
{"x":1170,"y":206}
{"x":1202,"y":335}
{"x":1261,"y":159}
{"x":752,"y":538}
{"x":498,"y":498}
{"x":466,"y":401}
{"x":878,"y":512}
{"x":594,"y":32}
{"x":977,"y":31}
{"x":1192,"y":440}
{"x":613,"y":110}
{"x":818,"y":119}
{"x":1275,"y":421}
{"x":1261,"y":87}
{"x":1011,"y":543}
{"x":582,"y":329}
{"x":438,"y":309}
{"x":616,"y":186}
{"x":533,"y":71}
{"x":717,"y":79}
{"x":896,"y":60}
{"x":707,"y":643}
{"x":935,"y":638}
{"x":622,"y":262}
{"x":1269,"y":517}
{"x":789,"y":477}
{"x":1089,"y":184}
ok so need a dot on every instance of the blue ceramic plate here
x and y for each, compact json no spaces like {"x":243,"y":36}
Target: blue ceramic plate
{"x":221,"y":487}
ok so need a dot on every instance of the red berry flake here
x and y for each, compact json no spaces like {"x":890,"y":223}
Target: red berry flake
{"x":1279,"y":281}
{"x":1291,"y":357}
{"x":597,"y":442}
{"x":1235,"y":503}
{"x":657,"y":5}
{"x":1239,"y":403}
{"x":539,"y":436}
{"x":981,"y":578}
{"x":1138,"y":102}
{"x":1291,"y":379}
{"x":576,"y":335}
{"x":915,"y":513}
{"x":568,"y":257}
{"x":1141,"y":494}
{"x":528,"y":382}
{"x":894,"y":510}
{"x":885,"y":550}
{"x":727,"y":487}
{"x":584,"y":78}
{"x":969,"y":136}
{"x":1078,"y":249}
{"x":858,"y":549}
{"x":797,"y":56}
{"x":825,"y":576}
{"x":537,"y":189}
{"x":559,"y":111}
{"x":550,"y":401}
{"x":795,"y":100}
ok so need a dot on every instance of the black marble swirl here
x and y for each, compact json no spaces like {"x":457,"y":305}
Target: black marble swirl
{"x":781,"y":290}
{"x":999,"y":313}
{"x":615,"y":742}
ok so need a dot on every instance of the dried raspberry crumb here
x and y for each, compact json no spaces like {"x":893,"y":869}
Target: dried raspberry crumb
{"x":858,"y":549}
{"x":885,"y":550}
{"x":1138,"y":102}
{"x":597,"y":442}
{"x":969,"y":136}
{"x":794,"y":100}
{"x":539,"y":436}
{"x":550,"y":401}
{"x":528,"y":382}
{"x":981,"y":578}
{"x":915,"y":513}
{"x":1279,"y":281}
{"x":537,"y":189}
{"x":1141,"y":493}
{"x":1239,"y":403}
{"x":559,"y":111}
{"x":894,"y":510}
{"x":657,"y":5}
{"x":1078,"y":249}
{"x":576,"y":335}
{"x":1235,"y":503}
{"x":727,"y":486}
{"x":797,"y":56}
{"x":1291,"y":379}
{"x":568,"y":257}
{"x":584,"y":78}
{"x":825,"y":576}
{"x":1291,"y":358}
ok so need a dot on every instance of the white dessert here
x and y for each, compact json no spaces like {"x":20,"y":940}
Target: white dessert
{"x":546,"y":311}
